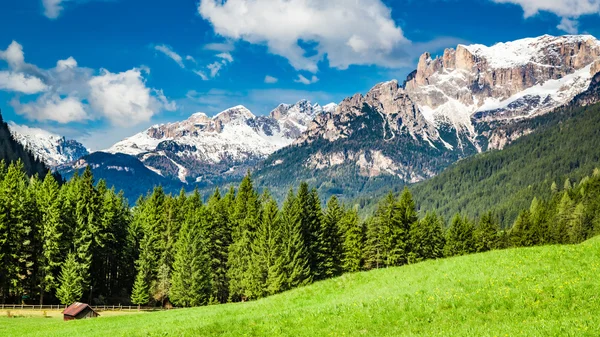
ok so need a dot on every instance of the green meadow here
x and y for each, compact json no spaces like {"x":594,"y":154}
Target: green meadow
{"x":540,"y":291}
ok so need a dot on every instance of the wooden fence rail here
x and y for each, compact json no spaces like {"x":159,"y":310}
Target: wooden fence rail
{"x":63,"y":307}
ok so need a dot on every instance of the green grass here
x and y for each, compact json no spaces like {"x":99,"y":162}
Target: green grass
{"x":542,"y":291}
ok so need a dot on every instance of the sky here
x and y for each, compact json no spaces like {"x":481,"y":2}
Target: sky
{"x":99,"y":71}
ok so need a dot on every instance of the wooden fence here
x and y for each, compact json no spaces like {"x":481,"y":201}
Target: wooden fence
{"x":63,"y":307}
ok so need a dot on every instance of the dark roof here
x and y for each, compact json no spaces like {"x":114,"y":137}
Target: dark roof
{"x":75,"y":308}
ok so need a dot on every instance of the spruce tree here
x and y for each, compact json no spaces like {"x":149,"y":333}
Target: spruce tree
{"x":426,"y":239}
{"x":71,"y":282}
{"x":191,"y":269}
{"x":295,"y":259}
{"x":352,"y":242}
{"x":522,"y":234}
{"x":50,"y":235}
{"x":564,"y":211}
{"x":459,"y":238}
{"x":331,"y":241}
{"x":486,"y":234}
{"x":577,"y":224}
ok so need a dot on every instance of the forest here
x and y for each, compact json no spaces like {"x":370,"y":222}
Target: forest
{"x":80,"y":240}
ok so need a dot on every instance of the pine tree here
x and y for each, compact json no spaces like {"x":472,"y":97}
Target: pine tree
{"x":219,"y":233}
{"x":331,"y":242}
{"x":577,"y":224}
{"x":459,"y":238}
{"x":562,"y":219}
{"x":539,"y":222}
{"x":426,"y":239}
{"x":191,"y":269}
{"x":486,"y":234}
{"x":51,"y":232}
{"x":295,"y":264}
{"x":71,"y":283}
{"x":522,"y":233}
{"x":246,"y":216}
{"x":267,"y":271}
{"x":353,"y":237}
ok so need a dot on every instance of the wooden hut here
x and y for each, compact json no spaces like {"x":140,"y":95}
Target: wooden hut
{"x":79,"y":311}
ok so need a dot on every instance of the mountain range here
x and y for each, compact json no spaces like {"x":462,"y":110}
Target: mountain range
{"x":468,"y":100}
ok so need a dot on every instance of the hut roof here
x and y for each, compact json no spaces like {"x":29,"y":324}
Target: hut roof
{"x":76,"y":308}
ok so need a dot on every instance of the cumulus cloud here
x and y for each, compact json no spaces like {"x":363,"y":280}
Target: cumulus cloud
{"x":52,"y":8}
{"x":359,"y":32}
{"x":21,"y":83}
{"x":51,"y":107}
{"x":124,"y":97}
{"x":270,"y":79}
{"x":70,"y":93}
{"x":304,"y":80}
{"x":569,"y":10}
{"x":168,"y":51}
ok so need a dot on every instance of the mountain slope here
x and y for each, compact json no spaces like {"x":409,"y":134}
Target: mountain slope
{"x":52,"y":149}
{"x":541,"y":291}
{"x":11,"y":151}
{"x":204,"y":149}
{"x":566,"y":144}
{"x":451,"y":107}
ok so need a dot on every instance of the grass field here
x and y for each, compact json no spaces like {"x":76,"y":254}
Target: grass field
{"x":542,"y":291}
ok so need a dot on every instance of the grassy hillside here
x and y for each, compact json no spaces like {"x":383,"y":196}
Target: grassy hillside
{"x":566,"y":144}
{"x":542,"y":291}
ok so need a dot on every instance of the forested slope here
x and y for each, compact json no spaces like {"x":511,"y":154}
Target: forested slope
{"x":567,"y":145}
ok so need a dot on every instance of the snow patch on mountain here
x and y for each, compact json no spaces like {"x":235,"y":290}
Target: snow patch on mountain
{"x":51,"y":148}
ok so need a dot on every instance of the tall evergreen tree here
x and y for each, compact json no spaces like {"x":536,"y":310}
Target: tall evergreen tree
{"x":331,"y":241}
{"x":426,"y":239}
{"x":71,"y":282}
{"x":219,"y":233}
{"x":191,"y":269}
{"x":353,"y":237}
{"x":486,"y":234}
{"x":296,"y":261}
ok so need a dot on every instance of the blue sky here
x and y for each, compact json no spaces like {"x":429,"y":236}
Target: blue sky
{"x":101,"y":70}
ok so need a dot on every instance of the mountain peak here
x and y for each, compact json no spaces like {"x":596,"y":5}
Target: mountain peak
{"x":238,"y":113}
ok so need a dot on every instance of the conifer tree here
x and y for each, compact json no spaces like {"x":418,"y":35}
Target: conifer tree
{"x":295,"y":264}
{"x":486,"y":234}
{"x":70,"y":289}
{"x":191,"y":269}
{"x":522,"y":233}
{"x":50,"y":258}
{"x":562,"y":219}
{"x":331,"y":242}
{"x":426,"y":239}
{"x":266,"y":260}
{"x":459,"y":238}
{"x":219,"y":234}
{"x":577,"y":230}
{"x":246,"y":216}
{"x":353,"y":237}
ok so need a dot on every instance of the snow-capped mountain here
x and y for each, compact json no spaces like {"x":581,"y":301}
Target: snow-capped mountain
{"x":451,"y":106}
{"x":203,"y":147}
{"x":52,"y":149}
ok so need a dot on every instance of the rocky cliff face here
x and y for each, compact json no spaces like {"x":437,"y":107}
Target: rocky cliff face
{"x":204,"y":148}
{"x":450,"y":107}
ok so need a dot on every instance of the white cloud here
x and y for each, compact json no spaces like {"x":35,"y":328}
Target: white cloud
{"x":226,"y":47}
{"x":570,"y":26}
{"x":52,"y":8}
{"x":201,"y":74}
{"x":360,"y":32}
{"x":51,"y":107}
{"x":304,"y":80}
{"x":270,"y":79}
{"x":14,"y":56}
{"x":168,"y":51}
{"x":226,"y":57}
{"x":191,"y":59}
{"x":124,"y":97}
{"x":20,"y":82}
{"x":214,"y":68}
{"x":567,"y":10}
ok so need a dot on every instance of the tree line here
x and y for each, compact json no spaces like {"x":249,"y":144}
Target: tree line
{"x":81,"y":241}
